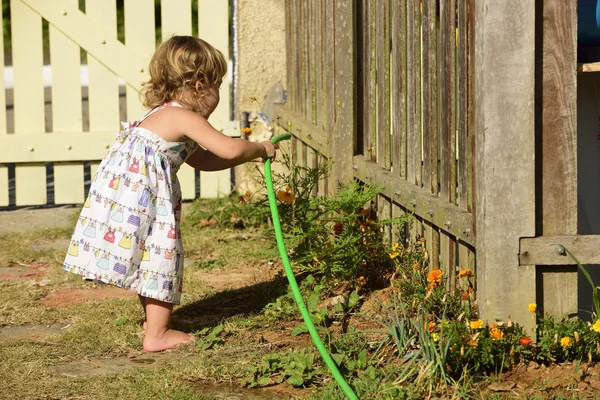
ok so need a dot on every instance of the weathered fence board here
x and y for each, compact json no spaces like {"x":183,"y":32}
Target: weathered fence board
{"x":382,"y":147}
{"x":398,"y":86}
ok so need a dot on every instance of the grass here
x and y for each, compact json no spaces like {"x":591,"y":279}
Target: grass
{"x":110,"y":329}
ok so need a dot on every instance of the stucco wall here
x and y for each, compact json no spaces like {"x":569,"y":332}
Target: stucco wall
{"x":260,"y":66}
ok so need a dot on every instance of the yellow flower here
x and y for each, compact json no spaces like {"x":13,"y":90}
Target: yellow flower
{"x":566,"y":342}
{"x":394,"y":255}
{"x":476,"y":324}
{"x":435,"y":337}
{"x":416,"y":267}
{"x":465,"y":273}
{"x":246,"y":130}
{"x":532,"y":307}
{"x":496,"y":334}
{"x":473,"y":343}
{"x":395,"y":247}
{"x":596,"y":326}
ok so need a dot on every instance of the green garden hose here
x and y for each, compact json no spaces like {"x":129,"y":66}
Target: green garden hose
{"x":292,"y":279}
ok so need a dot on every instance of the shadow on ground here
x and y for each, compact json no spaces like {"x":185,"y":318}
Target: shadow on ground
{"x":244,"y":301}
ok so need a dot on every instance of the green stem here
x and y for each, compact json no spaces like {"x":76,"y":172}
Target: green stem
{"x":292,"y":279}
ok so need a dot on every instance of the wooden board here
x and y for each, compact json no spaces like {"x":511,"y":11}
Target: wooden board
{"x":212,"y":184}
{"x":29,"y":114}
{"x":383,"y":84}
{"x":447,"y":108}
{"x":4,"y":194}
{"x":550,"y":250}
{"x":176,"y":18}
{"x":139,"y":35}
{"x":398,"y":32}
{"x":68,"y":183}
{"x":462,"y":77}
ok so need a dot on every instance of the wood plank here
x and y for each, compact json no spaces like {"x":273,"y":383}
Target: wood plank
{"x":505,"y":207}
{"x":305,"y":131}
{"x":66,"y":111}
{"x":423,"y":203}
{"x":214,"y":184}
{"x":559,"y":144}
{"x":318,"y":33}
{"x":364,"y":72}
{"x":139,"y":35}
{"x":447,"y":106}
{"x":417,"y":75}
{"x":330,"y":76}
{"x":430,"y":97}
{"x":343,"y":145}
{"x":311,"y":162}
{"x":303,"y":52}
{"x":93,"y":36}
{"x":176,"y":18}
{"x":187,"y":179}
{"x":399,"y":231}
{"x":103,"y":89}
{"x":384,"y":211}
{"x":311,"y":103}
{"x":398,"y":31}
{"x":462,"y":109}
{"x":298,"y":56}
{"x":29,"y":113}
{"x":411,"y":97}
{"x":448,"y":260}
{"x":471,"y":111}
{"x":68,"y":183}
{"x":383,"y":84}
{"x":550,"y":250}
{"x":371,"y":111}
{"x":4,"y":193}
{"x":213,"y":19}
{"x":290,"y":40}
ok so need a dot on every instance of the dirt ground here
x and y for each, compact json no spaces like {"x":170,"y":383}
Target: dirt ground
{"x":231,"y":288}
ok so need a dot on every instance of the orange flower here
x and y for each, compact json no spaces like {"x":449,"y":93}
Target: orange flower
{"x":478,"y":324}
{"x":525,"y":341}
{"x":246,"y":130}
{"x":465,"y":296}
{"x":286,"y":196}
{"x":416,"y":267}
{"x":566,"y":342}
{"x":248,"y":194}
{"x":435,"y":276}
{"x":422,"y":240}
{"x":465,"y":273}
{"x":473,"y":342}
{"x":431,"y":326}
{"x":431,"y":286}
{"x":394,"y":254}
{"x":496,"y":334}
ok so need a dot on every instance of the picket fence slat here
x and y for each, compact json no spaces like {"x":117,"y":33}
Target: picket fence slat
{"x":28,"y":93}
{"x":4,"y":194}
{"x":139,"y":35}
{"x":383,"y":84}
{"x":398,"y":86}
{"x":66,"y":112}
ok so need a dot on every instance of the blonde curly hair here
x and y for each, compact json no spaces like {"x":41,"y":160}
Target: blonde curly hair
{"x":182,"y":69}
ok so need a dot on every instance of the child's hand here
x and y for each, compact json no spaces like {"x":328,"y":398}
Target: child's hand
{"x":270,"y":150}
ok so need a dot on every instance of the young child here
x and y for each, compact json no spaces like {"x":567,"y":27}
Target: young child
{"x":128,"y":231}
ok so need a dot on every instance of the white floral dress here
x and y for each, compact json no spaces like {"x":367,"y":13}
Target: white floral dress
{"x":128,"y":230}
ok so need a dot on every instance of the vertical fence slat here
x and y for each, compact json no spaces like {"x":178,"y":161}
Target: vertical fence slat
{"x":461,"y":107}
{"x":318,"y":101}
{"x":298,"y":56}
{"x":28,"y":97}
{"x":290,"y":53}
{"x":329,"y":77}
{"x":176,"y":19}
{"x":411,"y":98}
{"x":398,"y":81}
{"x":365,"y":76}
{"x":312,"y":72}
{"x":383,"y":84}
{"x":103,"y":90}
{"x":371,"y":111}
{"x":4,"y":195}
{"x":447,"y":105}
{"x":66,"y":112}
{"x":139,"y":35}
{"x":418,"y":82}
{"x":213,"y":21}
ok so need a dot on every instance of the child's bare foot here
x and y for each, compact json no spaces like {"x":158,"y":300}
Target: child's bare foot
{"x":167,"y":340}
{"x":145,"y":325}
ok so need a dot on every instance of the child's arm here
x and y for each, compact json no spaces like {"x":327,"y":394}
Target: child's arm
{"x":221,"y":151}
{"x":204,"y":160}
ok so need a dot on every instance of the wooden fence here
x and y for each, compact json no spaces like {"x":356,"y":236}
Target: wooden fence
{"x":384,"y":88}
{"x":58,"y":130}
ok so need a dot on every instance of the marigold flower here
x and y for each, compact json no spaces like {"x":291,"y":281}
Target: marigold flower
{"x":431,"y":326}
{"x":435,"y":337}
{"x":493,"y":325}
{"x":465,"y":296}
{"x":496,"y":334}
{"x":473,"y":343}
{"x":286,"y":196}
{"x":246,"y":130}
{"x":465,"y":273}
{"x":431,"y":286}
{"x":435,"y":276}
{"x":532,"y":307}
{"x":566,"y":342}
{"x":248,"y":194}
{"x":476,"y":324}
{"x":422,"y":240}
{"x":395,"y":247}
{"x":416,"y":267}
{"x":394,"y":254}
{"x":596,"y":326}
{"x":525,"y":341}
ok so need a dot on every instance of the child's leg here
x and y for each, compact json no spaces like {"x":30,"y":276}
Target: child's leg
{"x":158,"y":335}
{"x":143,"y":301}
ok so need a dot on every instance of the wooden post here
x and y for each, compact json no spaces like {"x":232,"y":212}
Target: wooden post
{"x":505,"y":154}
{"x":343,"y":139}
{"x":557,"y":133}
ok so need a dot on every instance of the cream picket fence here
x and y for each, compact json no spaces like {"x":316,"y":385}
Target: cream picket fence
{"x":60,"y":124}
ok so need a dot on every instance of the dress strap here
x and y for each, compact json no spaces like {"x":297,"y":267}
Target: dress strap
{"x":171,"y":103}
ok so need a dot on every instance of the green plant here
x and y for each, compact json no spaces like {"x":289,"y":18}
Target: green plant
{"x":300,"y":368}
{"x":211,"y":338}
